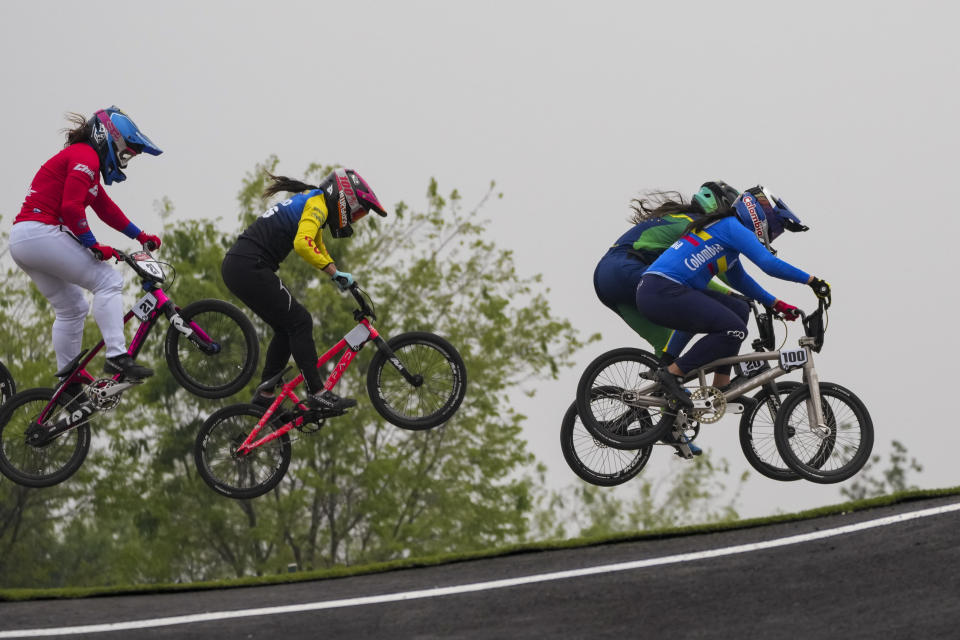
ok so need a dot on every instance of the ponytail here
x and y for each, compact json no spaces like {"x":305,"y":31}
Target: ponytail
{"x":656,"y":204}
{"x":80,"y":131}
{"x":283,"y":183}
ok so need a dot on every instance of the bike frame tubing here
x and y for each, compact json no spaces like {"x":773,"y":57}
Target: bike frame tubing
{"x":79,"y":373}
{"x":286,"y":391}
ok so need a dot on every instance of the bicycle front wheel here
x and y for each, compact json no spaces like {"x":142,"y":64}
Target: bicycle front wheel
{"x":7,"y":386}
{"x":594,"y":461}
{"x":605,"y":406}
{"x":225,"y":361}
{"x":829,"y":453}
{"x":47,"y":464}
{"x":240,"y":476}
{"x":439,"y":381}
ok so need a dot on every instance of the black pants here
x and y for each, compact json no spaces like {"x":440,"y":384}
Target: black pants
{"x":253,"y":281}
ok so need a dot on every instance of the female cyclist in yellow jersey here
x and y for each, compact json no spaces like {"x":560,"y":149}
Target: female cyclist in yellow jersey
{"x":250,"y":267}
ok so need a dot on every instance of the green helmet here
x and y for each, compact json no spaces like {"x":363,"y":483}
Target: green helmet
{"x":714,"y":196}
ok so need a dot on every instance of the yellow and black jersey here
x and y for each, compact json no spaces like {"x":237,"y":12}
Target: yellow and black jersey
{"x":296,"y":223}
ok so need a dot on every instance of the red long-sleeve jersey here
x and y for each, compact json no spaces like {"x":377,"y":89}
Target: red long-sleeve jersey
{"x":64,"y":187}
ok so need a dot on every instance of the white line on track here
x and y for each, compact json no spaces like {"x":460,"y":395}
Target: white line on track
{"x":480,"y":586}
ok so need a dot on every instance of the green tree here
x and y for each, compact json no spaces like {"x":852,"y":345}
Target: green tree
{"x":359,"y":490}
{"x":873,"y":481}
{"x":695,"y":493}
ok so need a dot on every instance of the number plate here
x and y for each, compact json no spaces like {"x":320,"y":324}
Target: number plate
{"x":793,"y":358}
{"x":144,"y":306}
{"x":357,"y":336}
{"x":753,"y":367}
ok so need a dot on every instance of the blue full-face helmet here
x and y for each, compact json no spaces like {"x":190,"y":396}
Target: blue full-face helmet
{"x":116,"y":139}
{"x":766,"y":215}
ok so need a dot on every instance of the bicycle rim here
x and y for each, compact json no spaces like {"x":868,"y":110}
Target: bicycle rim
{"x":220,"y":374}
{"x":594,"y":461}
{"x":831,"y":455}
{"x":603,"y":407}
{"x":38,"y":466}
{"x":428,"y":404}
{"x":241,"y":477}
{"x":757,"y":438}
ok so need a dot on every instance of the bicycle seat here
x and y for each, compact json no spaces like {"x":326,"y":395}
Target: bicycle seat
{"x":274,"y":382}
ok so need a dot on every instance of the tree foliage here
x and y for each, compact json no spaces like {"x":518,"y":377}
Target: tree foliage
{"x":873,"y":481}
{"x":359,"y":490}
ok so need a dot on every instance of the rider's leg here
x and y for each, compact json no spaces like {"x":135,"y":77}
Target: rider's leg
{"x":672,"y":304}
{"x":60,"y":267}
{"x":261,"y":289}
{"x":615,"y":282}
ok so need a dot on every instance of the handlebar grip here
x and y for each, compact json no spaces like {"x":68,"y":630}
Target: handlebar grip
{"x":150,"y":245}
{"x":97,"y":253}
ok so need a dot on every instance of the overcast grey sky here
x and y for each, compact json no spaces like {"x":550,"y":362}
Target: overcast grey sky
{"x":847,"y":110}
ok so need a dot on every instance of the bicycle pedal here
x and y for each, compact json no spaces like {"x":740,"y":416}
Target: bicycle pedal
{"x":314,"y":415}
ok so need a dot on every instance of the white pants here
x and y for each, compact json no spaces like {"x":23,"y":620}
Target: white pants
{"x":61,"y":269}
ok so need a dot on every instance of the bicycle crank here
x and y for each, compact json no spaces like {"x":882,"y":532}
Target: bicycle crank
{"x":104,"y":393}
{"x":709,"y":405}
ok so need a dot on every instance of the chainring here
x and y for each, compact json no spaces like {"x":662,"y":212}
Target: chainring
{"x":95,"y":392}
{"x":718,"y":404}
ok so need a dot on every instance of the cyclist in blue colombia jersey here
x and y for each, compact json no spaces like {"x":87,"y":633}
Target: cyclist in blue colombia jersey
{"x":659,"y":219}
{"x":673,"y":293}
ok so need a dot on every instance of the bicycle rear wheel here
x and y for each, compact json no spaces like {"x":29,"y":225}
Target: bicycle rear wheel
{"x":47,"y":464}
{"x":830,"y":454}
{"x":757,"y":432}
{"x":7,"y":385}
{"x":604,"y":405}
{"x":240,"y":477}
{"x":436,"y":394}
{"x":594,"y":461}
{"x":223,"y":369}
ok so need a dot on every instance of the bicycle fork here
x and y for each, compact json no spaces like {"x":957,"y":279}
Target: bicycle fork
{"x":815,"y":401}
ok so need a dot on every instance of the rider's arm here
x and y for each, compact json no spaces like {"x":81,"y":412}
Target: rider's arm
{"x":737,"y":237}
{"x":308,"y":243}
{"x":108,"y":211}
{"x":738,"y":277}
{"x":81,"y":176}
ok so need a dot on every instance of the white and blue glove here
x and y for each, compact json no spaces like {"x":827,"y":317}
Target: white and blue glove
{"x":342,"y":279}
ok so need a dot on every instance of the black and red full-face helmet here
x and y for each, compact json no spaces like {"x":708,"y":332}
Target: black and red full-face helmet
{"x":349,"y":198}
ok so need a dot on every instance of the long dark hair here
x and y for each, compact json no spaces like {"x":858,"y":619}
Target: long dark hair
{"x":283,"y":183}
{"x":700,"y":223}
{"x":656,"y":204}
{"x":80,"y":131}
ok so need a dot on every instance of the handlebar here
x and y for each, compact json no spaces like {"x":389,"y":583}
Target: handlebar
{"x":149,"y":270}
{"x":366,"y":308}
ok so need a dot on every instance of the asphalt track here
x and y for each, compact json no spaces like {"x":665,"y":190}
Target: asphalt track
{"x":891,"y":572}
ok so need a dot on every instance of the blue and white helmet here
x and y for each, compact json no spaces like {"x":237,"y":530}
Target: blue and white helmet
{"x":766,"y":215}
{"x":116,"y":139}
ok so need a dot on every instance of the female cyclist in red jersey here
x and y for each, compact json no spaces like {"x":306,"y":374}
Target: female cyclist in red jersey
{"x":52,"y":242}
{"x":250,"y":266}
